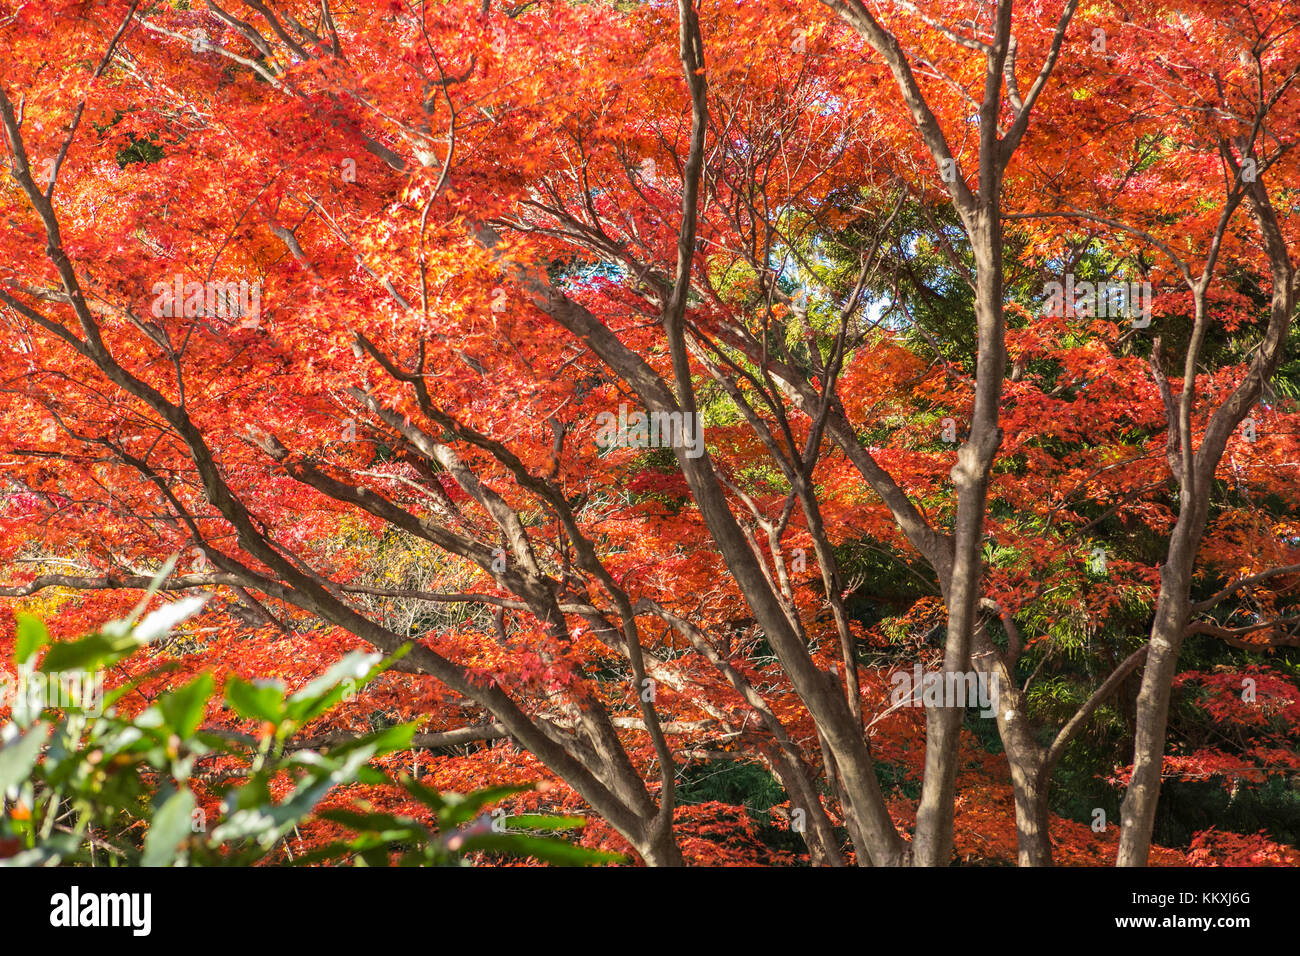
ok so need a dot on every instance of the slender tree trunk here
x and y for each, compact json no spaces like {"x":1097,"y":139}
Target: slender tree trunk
{"x":1030,"y":774}
{"x":660,"y":849}
{"x":818,"y":834}
{"x":934,"y":818}
{"x":1033,"y":835}
{"x":1138,"y":811}
{"x":1195,"y":469}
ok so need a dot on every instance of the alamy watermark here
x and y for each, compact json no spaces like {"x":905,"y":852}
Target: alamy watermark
{"x":1101,"y":300}
{"x":919,"y":688}
{"x":83,"y":690}
{"x":653,"y":430}
{"x":75,"y":909}
{"x":227,"y":300}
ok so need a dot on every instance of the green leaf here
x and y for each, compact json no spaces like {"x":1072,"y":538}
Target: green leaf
{"x":32,"y":636}
{"x":346,"y":677}
{"x":161,"y":622}
{"x":183,"y":709}
{"x":461,"y":809}
{"x":375,"y":856}
{"x":373,"y":777}
{"x":19,"y":757}
{"x":172,"y":823}
{"x":125,"y":624}
{"x":112,"y":696}
{"x":543,"y":849}
{"x":256,"y":701}
{"x":360,"y":821}
{"x":539,"y":821}
{"x":386,"y":741}
{"x":386,"y":826}
{"x":268,"y":823}
{"x":87,"y":654}
{"x":426,"y":795}
{"x":52,"y":851}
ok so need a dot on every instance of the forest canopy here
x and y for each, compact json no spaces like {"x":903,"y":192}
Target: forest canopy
{"x":777,"y":433}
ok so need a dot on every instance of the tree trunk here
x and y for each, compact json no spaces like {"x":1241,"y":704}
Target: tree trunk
{"x":1033,"y":835}
{"x":934,"y":825}
{"x":1138,"y":811}
{"x":1030,"y":774}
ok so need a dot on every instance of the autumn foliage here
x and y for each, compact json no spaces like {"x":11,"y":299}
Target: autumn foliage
{"x":328,"y":299}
